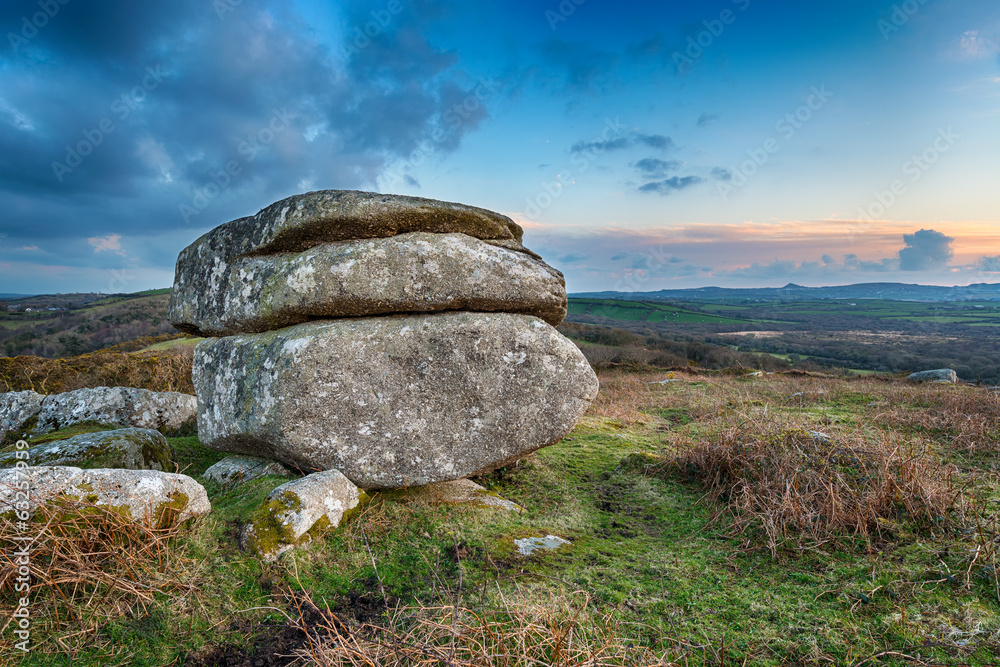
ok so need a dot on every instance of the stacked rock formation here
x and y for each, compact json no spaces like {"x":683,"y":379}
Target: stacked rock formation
{"x":399,"y":340}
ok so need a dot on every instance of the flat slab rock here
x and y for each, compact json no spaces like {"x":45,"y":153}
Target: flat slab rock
{"x":293,"y":512}
{"x":456,"y":492}
{"x":393,"y":401}
{"x":126,"y":448}
{"x":303,"y":221}
{"x":161,"y":497}
{"x":412,"y":272}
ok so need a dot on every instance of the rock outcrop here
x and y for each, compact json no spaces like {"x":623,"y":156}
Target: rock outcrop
{"x":164,"y":499}
{"x":400,"y":341}
{"x":127,"y":448}
{"x":25,"y":413}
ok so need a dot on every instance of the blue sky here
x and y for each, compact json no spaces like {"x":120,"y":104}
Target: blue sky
{"x":642,"y":145}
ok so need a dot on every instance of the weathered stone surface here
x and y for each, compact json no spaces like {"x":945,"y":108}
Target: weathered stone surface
{"x":393,"y":401}
{"x":530,"y":545}
{"x":304,"y":221}
{"x":161,"y":497}
{"x":413,"y":272}
{"x":455,"y":492}
{"x":129,"y":448}
{"x":939,"y":375}
{"x":17,"y":409}
{"x":233,"y":469}
{"x":117,"y":406}
{"x":296,"y":510}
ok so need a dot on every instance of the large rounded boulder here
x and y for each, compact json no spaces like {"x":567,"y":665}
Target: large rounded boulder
{"x":393,"y":401}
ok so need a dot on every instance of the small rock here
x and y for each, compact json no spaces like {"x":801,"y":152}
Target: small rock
{"x":529,"y":545}
{"x":161,"y":497}
{"x":820,"y":437}
{"x":126,"y":448}
{"x":233,"y":469}
{"x":942,"y":375}
{"x":455,"y":492}
{"x":296,"y":510}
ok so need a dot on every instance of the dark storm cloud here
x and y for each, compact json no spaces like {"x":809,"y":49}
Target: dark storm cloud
{"x":925,"y":249}
{"x":116,"y":114}
{"x":671,"y":185}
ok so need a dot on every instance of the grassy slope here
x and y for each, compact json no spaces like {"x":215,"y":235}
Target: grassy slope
{"x":644,"y":547}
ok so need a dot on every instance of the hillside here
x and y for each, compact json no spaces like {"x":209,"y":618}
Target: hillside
{"x":65,"y":325}
{"x":707,"y":525}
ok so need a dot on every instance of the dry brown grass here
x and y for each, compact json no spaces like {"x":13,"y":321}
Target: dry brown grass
{"x":552,"y":629}
{"x":967,"y":419}
{"x":87,"y":563}
{"x":157,"y":371}
{"x":788,"y":486}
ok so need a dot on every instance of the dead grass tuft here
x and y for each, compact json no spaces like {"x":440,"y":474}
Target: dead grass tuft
{"x":87,"y":563}
{"x":968,"y":419}
{"x":791,"y":486}
{"x":554,"y":630}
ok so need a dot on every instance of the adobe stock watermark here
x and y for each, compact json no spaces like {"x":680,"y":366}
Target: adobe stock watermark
{"x":223,"y":7}
{"x":899,"y":17}
{"x":452,"y":120}
{"x":121,"y":107}
{"x":698,"y":43}
{"x":360,"y":36}
{"x":786,"y":127}
{"x":913,"y":170}
{"x":31,"y":25}
{"x":120,"y":280}
{"x":21,"y":556}
{"x":220,"y":180}
{"x":562,"y":12}
{"x":581,"y":160}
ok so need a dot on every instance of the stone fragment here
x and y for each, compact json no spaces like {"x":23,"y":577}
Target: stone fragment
{"x":393,"y":401}
{"x":295,"y":511}
{"x":162,"y":498}
{"x":128,"y":448}
{"x":942,"y":375}
{"x":234,"y":469}
{"x":117,"y":406}
{"x":413,"y":272}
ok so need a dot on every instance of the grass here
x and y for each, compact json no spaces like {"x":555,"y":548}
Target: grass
{"x":703,"y":530}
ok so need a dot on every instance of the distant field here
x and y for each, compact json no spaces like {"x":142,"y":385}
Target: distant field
{"x":636,"y":311}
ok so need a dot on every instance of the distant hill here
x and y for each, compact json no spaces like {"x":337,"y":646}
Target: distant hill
{"x":66,"y":325}
{"x":793,"y":292}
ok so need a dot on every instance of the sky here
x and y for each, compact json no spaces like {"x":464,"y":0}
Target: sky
{"x":641,"y":145}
